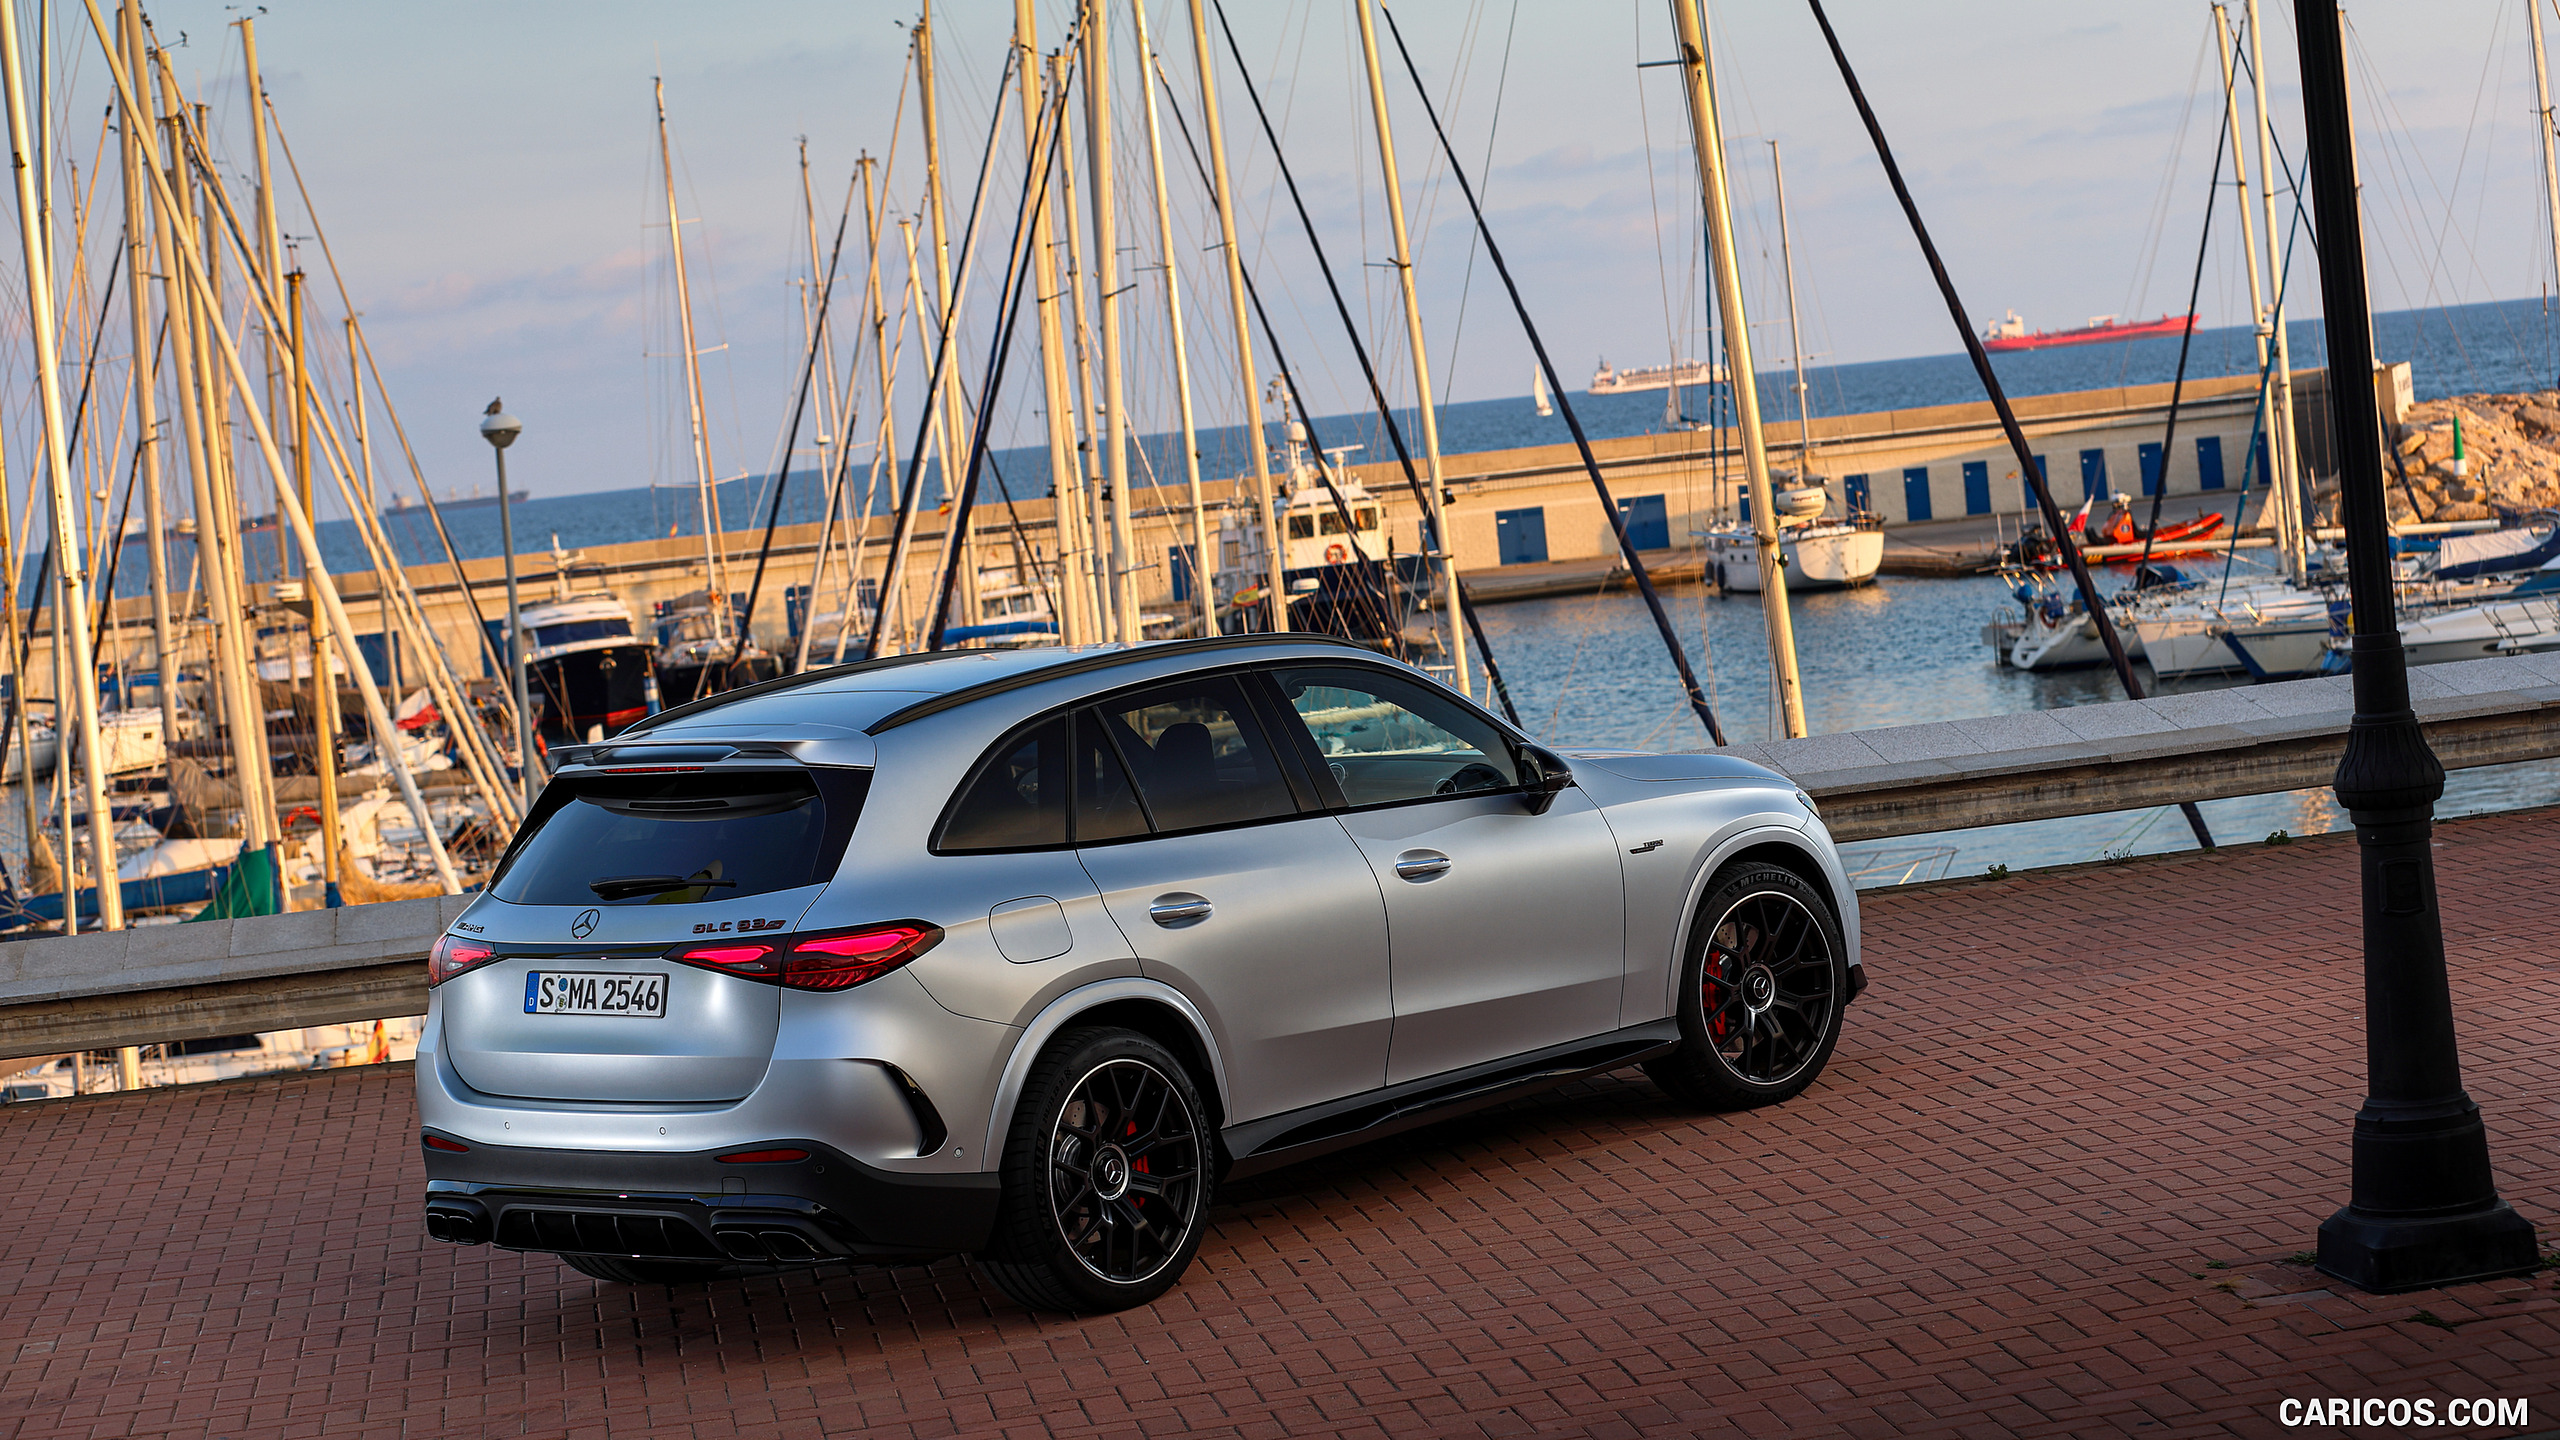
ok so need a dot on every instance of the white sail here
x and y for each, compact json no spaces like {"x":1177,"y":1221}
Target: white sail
{"x":1538,"y":392}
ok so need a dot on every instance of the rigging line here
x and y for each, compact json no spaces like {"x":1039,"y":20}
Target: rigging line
{"x":782,"y":475}
{"x":1350,"y":531}
{"x":1564,"y":403}
{"x":2089,"y":596}
{"x":2186,"y":341}
{"x":1466,"y":280}
{"x":892,"y":578}
{"x":1475,"y":625}
{"x":1661,"y":260}
{"x":2137,"y":290}
{"x":955,"y":546}
{"x":435,"y":514}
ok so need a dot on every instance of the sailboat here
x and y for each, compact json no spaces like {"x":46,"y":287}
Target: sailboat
{"x":1538,"y":395}
{"x":1818,"y":550}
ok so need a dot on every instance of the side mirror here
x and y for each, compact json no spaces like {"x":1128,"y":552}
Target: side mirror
{"x":1543,"y":777}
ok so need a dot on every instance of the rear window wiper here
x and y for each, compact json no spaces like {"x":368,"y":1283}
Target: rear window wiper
{"x":622,"y":887}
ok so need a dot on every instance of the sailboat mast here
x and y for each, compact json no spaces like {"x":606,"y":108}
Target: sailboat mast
{"x":884,"y":450}
{"x":1707,"y":137}
{"x":137,"y":238}
{"x":324,"y":692}
{"x":1441,"y":552}
{"x":1088,"y":518}
{"x":1249,"y":383}
{"x":1202,"y":558}
{"x":953,"y":410}
{"x":2283,"y":449}
{"x":1066,"y":477}
{"x":73,"y":612}
{"x":1128,"y":626}
{"x":1795,"y":327}
{"x":704,"y":478}
{"x":218,"y":561}
{"x":2542,"y":112}
{"x":830,"y":400}
{"x":2248,"y":231}
{"x":270,"y":248}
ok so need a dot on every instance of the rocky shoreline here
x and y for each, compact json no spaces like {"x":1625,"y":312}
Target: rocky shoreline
{"x":2510,"y":458}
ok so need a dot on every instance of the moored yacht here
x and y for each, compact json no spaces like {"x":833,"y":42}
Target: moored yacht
{"x":583,"y":659}
{"x":1820,"y":551}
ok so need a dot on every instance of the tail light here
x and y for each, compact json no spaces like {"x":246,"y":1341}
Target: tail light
{"x":452,"y":955}
{"x":763,"y":1157}
{"x":838,"y":960}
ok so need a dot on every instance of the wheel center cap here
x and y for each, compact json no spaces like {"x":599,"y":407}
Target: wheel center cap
{"x":1111,"y":1173}
{"x":1759,"y":987}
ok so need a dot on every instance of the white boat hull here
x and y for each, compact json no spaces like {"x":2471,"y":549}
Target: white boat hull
{"x":2511,"y":627}
{"x":1813,"y":562}
{"x":2282,"y":649}
{"x":2185,"y":645}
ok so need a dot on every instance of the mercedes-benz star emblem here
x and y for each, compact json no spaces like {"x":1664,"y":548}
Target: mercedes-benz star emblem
{"x":585,"y":924}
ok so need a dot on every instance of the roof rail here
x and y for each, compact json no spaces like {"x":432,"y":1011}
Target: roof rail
{"x":1101,"y":660}
{"x":775,"y":685}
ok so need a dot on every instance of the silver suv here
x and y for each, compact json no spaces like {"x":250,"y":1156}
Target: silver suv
{"x":1017,"y":954}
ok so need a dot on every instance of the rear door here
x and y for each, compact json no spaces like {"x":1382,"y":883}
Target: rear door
{"x":1235,"y":889}
{"x":612,"y":871}
{"x":1508,"y":927}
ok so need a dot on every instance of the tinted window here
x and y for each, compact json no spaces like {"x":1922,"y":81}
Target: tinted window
{"x":681,"y":839}
{"x":1019,"y":799}
{"x":1197,"y":755}
{"x":1388,"y":739}
{"x":1106,"y":803}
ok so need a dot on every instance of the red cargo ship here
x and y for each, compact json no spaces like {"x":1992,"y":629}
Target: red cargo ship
{"x":2011,"y":333}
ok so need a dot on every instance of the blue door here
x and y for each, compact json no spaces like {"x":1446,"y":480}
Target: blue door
{"x":2266,"y":467}
{"x":2209,"y":461}
{"x":1520,"y":536}
{"x":2149,"y":453}
{"x":1861,"y":497}
{"x":2027,"y":488}
{"x":1178,"y":560}
{"x":1648,"y":522}
{"x":2093,"y":474}
{"x":795,"y":607}
{"x":1977,"y":487}
{"x":1915,"y":492}
{"x":377,"y":650}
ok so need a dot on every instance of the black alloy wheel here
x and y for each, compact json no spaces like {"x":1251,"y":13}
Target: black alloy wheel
{"x":1106,"y":1176}
{"x":1762,"y":989}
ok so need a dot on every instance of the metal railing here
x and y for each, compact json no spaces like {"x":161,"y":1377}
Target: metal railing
{"x":279,"y":972}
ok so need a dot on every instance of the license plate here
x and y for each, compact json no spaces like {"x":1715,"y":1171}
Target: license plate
{"x":557,"y":992}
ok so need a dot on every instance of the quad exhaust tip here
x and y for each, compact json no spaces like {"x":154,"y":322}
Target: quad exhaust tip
{"x":457,"y":1222}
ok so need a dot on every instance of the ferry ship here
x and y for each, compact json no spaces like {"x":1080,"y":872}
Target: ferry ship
{"x":2010,"y":333}
{"x":1606,"y":381}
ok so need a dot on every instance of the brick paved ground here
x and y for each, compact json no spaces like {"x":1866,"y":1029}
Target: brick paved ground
{"x":2048,"y":1187}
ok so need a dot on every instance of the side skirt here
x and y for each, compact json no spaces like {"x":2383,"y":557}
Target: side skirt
{"x":1277,"y":1140}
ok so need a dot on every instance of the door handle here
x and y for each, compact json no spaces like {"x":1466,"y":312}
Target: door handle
{"x":1422,"y":865}
{"x":1171,"y":910}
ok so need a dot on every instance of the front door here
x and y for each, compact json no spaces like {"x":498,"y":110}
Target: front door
{"x":1506,"y":928}
{"x":1261,"y":911}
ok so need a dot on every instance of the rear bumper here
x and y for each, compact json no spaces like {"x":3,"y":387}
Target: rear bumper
{"x":689,"y":1206}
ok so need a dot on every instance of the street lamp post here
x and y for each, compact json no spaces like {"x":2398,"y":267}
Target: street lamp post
{"x":2423,"y":1208}
{"x":500,"y":429}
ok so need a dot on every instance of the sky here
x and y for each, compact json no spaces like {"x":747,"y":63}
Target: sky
{"x":488,"y":180}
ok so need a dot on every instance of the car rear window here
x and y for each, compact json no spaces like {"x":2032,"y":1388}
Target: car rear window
{"x":626,"y":840}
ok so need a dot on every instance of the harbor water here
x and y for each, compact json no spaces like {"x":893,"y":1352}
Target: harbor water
{"x":1589,"y":670}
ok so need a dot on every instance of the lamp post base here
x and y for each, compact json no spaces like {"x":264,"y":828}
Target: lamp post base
{"x":2390,"y":1254}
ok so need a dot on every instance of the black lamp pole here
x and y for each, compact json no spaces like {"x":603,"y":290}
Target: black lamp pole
{"x":2423,"y":1209}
